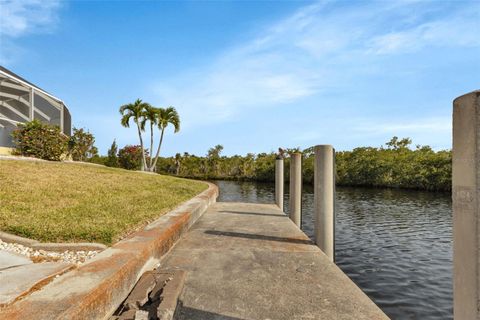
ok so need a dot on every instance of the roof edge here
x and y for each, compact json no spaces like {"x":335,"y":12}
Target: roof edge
{"x":16,"y":77}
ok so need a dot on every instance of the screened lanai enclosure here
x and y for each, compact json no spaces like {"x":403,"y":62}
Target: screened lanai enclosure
{"x":22,"y":101}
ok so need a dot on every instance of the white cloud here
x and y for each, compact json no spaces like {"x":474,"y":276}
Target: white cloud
{"x":354,"y":131}
{"x":320,"y":47}
{"x":462,"y":30}
{"x":428,"y":130}
{"x":21,"y":17}
{"x":425,"y":125}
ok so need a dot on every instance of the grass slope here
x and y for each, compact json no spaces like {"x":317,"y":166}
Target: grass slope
{"x":68,"y":202}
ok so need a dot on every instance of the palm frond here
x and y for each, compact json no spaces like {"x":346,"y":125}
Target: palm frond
{"x":167,"y":116}
{"x":151,"y":113}
{"x":125,"y":121}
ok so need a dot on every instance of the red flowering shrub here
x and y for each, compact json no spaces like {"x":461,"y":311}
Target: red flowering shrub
{"x":130,"y":157}
{"x":38,"y":140}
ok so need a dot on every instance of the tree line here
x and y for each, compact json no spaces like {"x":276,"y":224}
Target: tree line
{"x":394,"y":165}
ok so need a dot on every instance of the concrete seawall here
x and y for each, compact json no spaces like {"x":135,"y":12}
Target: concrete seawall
{"x":95,"y":289}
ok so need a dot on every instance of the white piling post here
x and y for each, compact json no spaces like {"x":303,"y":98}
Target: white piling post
{"x":279,"y":182}
{"x":324,"y":199}
{"x":295,"y":201}
{"x":466,"y":206}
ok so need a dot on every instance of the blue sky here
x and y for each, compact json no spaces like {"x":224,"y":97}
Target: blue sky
{"x":252,"y":75}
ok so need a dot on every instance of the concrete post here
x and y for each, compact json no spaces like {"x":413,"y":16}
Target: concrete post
{"x":295,"y":202}
{"x":279,"y":182}
{"x":466,"y":206}
{"x":324,"y":199}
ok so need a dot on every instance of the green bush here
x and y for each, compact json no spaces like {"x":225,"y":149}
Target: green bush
{"x":130,"y":157}
{"x":112,"y":159}
{"x":81,"y":146}
{"x":98,"y":160}
{"x":38,"y":140}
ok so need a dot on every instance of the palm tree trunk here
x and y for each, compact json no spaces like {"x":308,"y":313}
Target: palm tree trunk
{"x":144,"y":161}
{"x":158,"y":150}
{"x":151,"y":146}
{"x":177,"y":169}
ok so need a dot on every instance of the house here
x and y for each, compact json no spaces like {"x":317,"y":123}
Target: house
{"x":21,"y":101}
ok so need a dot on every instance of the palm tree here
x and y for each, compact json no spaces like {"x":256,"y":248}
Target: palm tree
{"x":151,"y":114}
{"x":135,"y":111}
{"x":165,"y":116}
{"x":178,"y":163}
{"x":213,"y":156}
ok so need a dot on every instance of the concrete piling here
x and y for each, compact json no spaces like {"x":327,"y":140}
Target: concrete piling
{"x":466,"y":206}
{"x":295,"y":202}
{"x":279,"y":182}
{"x":324,"y":199}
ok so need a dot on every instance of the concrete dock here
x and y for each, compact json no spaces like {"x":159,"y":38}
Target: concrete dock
{"x":242,"y":261}
{"x":250,"y":261}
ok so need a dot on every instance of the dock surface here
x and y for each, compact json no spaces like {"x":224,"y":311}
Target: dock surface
{"x":249,"y":261}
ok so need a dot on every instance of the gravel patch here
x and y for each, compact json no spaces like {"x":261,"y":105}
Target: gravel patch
{"x":77,"y":257}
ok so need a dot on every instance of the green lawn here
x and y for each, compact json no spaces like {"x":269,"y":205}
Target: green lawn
{"x":69,"y":202}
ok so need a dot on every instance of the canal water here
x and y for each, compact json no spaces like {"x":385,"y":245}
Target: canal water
{"x":396,"y":245}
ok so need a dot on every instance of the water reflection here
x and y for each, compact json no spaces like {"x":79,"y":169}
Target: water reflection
{"x":394,"y":244}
